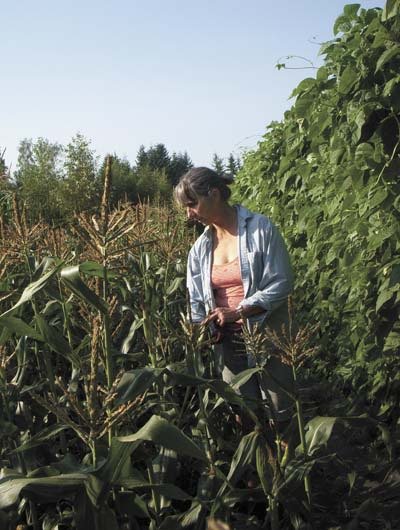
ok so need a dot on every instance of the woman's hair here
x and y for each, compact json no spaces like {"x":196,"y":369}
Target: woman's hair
{"x":198,"y":182}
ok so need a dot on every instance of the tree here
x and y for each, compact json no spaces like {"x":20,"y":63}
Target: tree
{"x":81,"y":186}
{"x":152,"y":184}
{"x":141,"y":157}
{"x":152,"y":172}
{"x":158,"y":157}
{"x":218,"y":163}
{"x":180,"y":164}
{"x":233,"y":165}
{"x":123,"y":180}
{"x":38,"y":177}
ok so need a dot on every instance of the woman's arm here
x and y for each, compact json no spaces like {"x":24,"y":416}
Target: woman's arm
{"x":272,"y":277}
{"x":195,"y":287}
{"x":225,"y":315}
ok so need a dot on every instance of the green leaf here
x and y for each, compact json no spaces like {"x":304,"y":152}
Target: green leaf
{"x":168,"y":490}
{"x":131,"y":504}
{"x":381,"y":37}
{"x":319,"y":430}
{"x":32,"y":289}
{"x":322,"y":73}
{"x":41,"y":437}
{"x":348,"y":79}
{"x":351,"y":10}
{"x":352,"y":479}
{"x":342,"y":23}
{"x":392,"y":342}
{"x":174,"y":286}
{"x":238,"y":380}
{"x":71,"y":277}
{"x":387,"y":56}
{"x":264,"y":469}
{"x":303,"y":86}
{"x":390,"y":10}
{"x":42,"y":490}
{"x":384,"y":296}
{"x":377,"y":198}
{"x":136,"y":382}
{"x":55,"y":340}
{"x":118,"y":465}
{"x":364,"y":155}
{"x":92,"y":268}
{"x":245,"y":454}
{"x":395,"y":276}
{"x":304,"y":105}
{"x":161,"y":432}
{"x":19,"y":327}
{"x":390,"y":85}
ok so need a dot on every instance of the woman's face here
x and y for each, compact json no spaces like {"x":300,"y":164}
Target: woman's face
{"x":204,"y":209}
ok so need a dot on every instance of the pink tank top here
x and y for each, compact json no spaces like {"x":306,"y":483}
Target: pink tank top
{"x":226,"y":282}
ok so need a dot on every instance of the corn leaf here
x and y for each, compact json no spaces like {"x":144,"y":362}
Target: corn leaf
{"x":46,"y":489}
{"x":19,"y":327}
{"x":32,"y":289}
{"x":161,"y":432}
{"x":41,"y":437}
{"x":136,"y":382}
{"x":72,"y":279}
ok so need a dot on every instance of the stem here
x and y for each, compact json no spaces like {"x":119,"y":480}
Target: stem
{"x":34,"y":516}
{"x":94,"y":453}
{"x":149,"y":336}
{"x":194,"y":351}
{"x":209,"y":451}
{"x":154,"y":494}
{"x":67,"y":322}
{"x":51,"y":378}
{"x":273,"y":509}
{"x":300,"y":422}
{"x":109,"y":364}
{"x":185,"y":400}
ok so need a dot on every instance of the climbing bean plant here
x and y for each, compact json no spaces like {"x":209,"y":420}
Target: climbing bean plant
{"x":328,"y":175}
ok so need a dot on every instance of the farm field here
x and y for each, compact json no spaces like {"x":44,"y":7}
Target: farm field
{"x":113,"y":414}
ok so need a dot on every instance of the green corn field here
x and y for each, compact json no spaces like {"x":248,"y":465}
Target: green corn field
{"x":113,"y":413}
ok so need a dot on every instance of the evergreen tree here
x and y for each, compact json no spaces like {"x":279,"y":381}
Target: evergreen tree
{"x":158,"y":157}
{"x":141,"y":157}
{"x":180,"y":164}
{"x":233,"y":165}
{"x":152,"y":172}
{"x":218,"y":163}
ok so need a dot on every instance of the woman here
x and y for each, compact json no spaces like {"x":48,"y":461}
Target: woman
{"x":239,"y":267}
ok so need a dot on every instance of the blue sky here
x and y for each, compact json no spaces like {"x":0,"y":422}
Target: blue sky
{"x":196,"y":76}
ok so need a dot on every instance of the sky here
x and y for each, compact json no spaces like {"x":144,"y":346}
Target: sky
{"x":198,"y":76}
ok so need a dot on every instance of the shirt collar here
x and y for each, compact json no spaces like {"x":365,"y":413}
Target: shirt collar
{"x":243,"y":215}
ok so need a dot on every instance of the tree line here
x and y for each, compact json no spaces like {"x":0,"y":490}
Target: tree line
{"x":54,"y":181}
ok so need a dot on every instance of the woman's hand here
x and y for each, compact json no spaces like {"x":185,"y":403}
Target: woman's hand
{"x":222,"y":316}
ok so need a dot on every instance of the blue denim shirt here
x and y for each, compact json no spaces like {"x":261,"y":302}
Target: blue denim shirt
{"x":264,"y":266}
